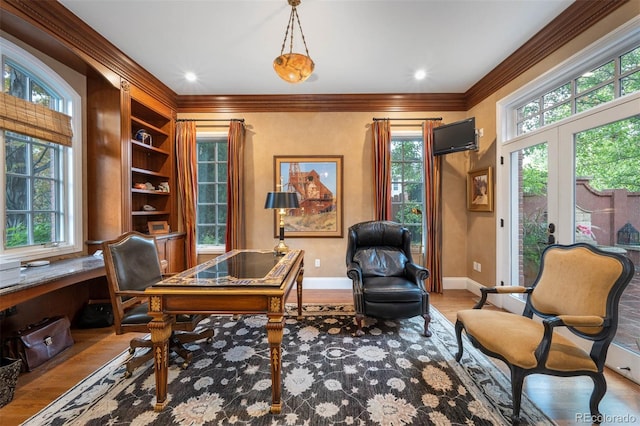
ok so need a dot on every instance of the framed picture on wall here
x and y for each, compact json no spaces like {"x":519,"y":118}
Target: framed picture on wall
{"x":317,"y":182}
{"x":480,"y":190}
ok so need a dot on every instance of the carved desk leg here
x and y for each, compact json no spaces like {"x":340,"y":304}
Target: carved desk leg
{"x":275,"y":326}
{"x":299,"y":290}
{"x":160,"y":328}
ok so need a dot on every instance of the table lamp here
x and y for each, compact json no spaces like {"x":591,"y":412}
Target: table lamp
{"x":281,"y":201}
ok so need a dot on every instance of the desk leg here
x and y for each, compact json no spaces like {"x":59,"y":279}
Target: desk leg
{"x":160,"y":328}
{"x":299,"y":290}
{"x":275,"y":326}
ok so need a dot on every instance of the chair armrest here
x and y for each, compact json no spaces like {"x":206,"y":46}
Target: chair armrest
{"x":542,"y":351}
{"x":485,"y":291}
{"x":355,"y":273}
{"x":131,"y":293}
{"x":417,"y":274}
{"x":576,"y":321}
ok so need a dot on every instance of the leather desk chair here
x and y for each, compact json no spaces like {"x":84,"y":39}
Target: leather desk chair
{"x":132,"y":264}
{"x":386,"y":282}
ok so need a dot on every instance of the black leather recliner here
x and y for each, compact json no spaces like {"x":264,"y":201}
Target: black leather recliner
{"x":386,"y":282}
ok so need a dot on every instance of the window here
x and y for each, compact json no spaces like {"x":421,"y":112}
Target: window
{"x":612,"y":78}
{"x":212,"y":192}
{"x":407,"y":182}
{"x":40,"y":178}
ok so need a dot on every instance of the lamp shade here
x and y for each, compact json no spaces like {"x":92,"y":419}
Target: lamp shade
{"x":281,"y":200}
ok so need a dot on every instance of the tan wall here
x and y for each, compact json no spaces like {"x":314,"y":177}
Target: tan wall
{"x":327,"y":133}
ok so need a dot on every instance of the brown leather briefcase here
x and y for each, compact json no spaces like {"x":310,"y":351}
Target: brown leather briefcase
{"x":42,"y":341}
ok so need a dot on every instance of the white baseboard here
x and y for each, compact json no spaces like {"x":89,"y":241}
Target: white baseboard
{"x":344,"y":283}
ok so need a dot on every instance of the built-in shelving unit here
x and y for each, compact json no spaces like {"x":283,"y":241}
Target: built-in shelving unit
{"x":151,"y":166}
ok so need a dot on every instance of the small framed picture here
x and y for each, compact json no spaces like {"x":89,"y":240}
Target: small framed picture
{"x":158,"y":227}
{"x":480,"y":190}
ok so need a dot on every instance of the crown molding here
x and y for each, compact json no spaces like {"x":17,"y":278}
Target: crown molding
{"x":407,"y":102}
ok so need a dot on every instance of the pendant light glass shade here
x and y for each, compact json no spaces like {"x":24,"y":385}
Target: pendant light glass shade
{"x":293,"y":67}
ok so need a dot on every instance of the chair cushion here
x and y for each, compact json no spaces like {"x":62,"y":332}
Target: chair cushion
{"x":516,"y":338}
{"x":381,"y":261}
{"x":390,"y":290}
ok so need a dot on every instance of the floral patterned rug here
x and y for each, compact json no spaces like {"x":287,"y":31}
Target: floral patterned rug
{"x":390,"y":376}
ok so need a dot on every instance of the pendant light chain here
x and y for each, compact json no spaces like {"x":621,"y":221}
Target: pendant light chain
{"x":290,"y":26}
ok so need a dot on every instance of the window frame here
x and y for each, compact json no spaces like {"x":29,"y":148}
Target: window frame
{"x":210,"y":137}
{"x":71,"y":166}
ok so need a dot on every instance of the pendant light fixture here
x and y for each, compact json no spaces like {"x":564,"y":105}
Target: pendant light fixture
{"x":293,"y":67}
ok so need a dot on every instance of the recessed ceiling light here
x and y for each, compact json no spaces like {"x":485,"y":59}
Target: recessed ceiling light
{"x":420,"y":75}
{"x":189,"y":76}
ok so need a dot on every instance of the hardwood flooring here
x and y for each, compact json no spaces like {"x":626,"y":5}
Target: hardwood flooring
{"x":563,"y":399}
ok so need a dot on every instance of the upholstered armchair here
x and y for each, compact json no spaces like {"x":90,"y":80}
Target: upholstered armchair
{"x":386,"y":282}
{"x":132,"y":264}
{"x":577,"y":289}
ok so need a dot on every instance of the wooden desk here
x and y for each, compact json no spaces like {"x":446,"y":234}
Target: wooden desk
{"x":238,"y":282}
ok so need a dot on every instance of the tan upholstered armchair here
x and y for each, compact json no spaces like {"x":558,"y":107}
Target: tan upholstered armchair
{"x":578,"y":289}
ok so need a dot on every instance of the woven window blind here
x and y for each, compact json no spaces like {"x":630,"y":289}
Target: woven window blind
{"x":34,"y":120}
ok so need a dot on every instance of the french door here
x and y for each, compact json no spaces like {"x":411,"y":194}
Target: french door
{"x":575,"y":181}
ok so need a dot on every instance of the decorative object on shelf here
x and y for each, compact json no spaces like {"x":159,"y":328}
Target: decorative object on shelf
{"x":317,"y":181}
{"x":148,"y":208}
{"x":163,"y":187}
{"x":480,"y":190}
{"x":143,"y":136}
{"x":140,"y":185}
{"x":149,"y":186}
{"x":281,"y":201}
{"x":293,"y":67}
{"x":158,"y":227}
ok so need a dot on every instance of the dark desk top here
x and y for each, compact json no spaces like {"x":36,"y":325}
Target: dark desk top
{"x":237,"y":268}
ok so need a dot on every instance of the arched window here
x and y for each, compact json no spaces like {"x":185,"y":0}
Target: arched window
{"x":41,"y":207}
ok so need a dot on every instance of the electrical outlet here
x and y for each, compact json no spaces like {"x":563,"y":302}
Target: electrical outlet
{"x":317,"y":263}
{"x":477,"y":266}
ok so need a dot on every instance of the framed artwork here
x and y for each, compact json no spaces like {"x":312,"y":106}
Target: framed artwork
{"x":480,"y":190}
{"x":158,"y":227}
{"x":317,"y":181}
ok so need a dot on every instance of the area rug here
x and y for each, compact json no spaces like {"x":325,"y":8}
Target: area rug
{"x":390,"y":376}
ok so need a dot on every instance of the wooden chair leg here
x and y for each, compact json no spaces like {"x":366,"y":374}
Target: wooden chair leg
{"x":517,"y":381}
{"x":459,"y":328}
{"x":427,"y":321}
{"x":599,"y":389}
{"x":359,"y":318}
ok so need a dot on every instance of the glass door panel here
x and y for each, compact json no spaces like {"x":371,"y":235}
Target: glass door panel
{"x":607,"y":206}
{"x":530,"y":209}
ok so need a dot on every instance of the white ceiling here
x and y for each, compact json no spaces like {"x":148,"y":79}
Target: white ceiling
{"x":358,"y":46}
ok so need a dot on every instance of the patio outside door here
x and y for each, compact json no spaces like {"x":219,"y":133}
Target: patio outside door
{"x":577,"y":181}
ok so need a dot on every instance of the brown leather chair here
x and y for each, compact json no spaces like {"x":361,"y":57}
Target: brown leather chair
{"x":132,"y":264}
{"x":386,"y":282}
{"x":577,"y":289}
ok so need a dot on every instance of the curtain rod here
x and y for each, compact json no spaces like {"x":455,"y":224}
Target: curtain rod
{"x":211,"y":119}
{"x":421,"y":119}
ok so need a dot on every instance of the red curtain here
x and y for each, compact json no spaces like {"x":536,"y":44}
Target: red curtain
{"x":234,"y":238}
{"x":187,"y":158}
{"x":433,"y":209}
{"x":381,"y":130}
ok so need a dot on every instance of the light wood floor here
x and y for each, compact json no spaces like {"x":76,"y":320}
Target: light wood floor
{"x":561,"y":398}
